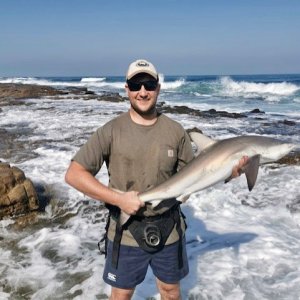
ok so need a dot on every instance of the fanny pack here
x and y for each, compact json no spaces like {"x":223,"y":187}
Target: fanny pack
{"x":151,"y":233}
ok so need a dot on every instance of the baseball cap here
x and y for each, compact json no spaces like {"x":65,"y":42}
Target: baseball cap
{"x":141,"y":66}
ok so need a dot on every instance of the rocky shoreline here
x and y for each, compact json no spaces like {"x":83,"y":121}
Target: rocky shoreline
{"x":16,"y":94}
{"x":26,"y":201}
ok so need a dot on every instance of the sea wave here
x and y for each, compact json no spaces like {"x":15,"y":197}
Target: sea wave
{"x":92,"y":79}
{"x":170,"y":85}
{"x":266,"y":91}
{"x":37,"y":81}
{"x":201,"y":87}
{"x":95,"y":82}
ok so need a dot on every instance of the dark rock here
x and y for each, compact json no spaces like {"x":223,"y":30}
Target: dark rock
{"x":111,"y":97}
{"x":195,"y":112}
{"x":90,"y":93}
{"x":256,"y":111}
{"x":293,"y":158}
{"x":287,"y":122}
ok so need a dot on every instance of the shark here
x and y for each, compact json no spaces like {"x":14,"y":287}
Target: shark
{"x":213,"y":163}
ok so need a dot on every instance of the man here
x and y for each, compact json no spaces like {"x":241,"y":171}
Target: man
{"x":141,"y":149}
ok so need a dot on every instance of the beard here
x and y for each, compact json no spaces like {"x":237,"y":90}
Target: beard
{"x":145,"y":113}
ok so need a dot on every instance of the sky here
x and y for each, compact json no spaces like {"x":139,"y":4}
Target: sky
{"x":187,"y":37}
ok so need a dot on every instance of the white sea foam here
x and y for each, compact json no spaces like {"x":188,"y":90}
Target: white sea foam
{"x":93,"y":83}
{"x":92,"y":79}
{"x":170,"y":85}
{"x":267,"y":91}
{"x":228,"y":243}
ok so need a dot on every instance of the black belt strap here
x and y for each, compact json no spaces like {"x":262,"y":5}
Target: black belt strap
{"x":116,"y":244}
{"x":180,"y":248}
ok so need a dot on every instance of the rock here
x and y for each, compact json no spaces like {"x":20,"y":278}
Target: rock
{"x":293,"y":158}
{"x":11,"y":94}
{"x":105,"y":96}
{"x":17,"y":193}
{"x":256,"y":111}
{"x":287,"y":122}
{"x":195,"y":112}
{"x":23,"y":91}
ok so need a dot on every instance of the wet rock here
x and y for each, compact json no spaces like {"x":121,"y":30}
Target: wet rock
{"x":105,"y":96}
{"x":12,"y":93}
{"x":287,"y":122}
{"x":256,"y":111}
{"x":112,"y":97}
{"x":195,"y":112}
{"x":293,"y":158}
{"x":23,"y":91}
{"x":17,"y":193}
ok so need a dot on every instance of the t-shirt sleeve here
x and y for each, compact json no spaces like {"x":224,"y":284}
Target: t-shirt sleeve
{"x":185,"y":152}
{"x":95,"y":151}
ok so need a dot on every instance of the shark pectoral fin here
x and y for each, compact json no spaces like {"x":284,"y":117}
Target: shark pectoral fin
{"x":183,"y":198}
{"x":251,"y":170}
{"x":124,"y":217}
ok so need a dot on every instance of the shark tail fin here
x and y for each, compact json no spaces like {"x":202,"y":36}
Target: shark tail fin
{"x":251,"y":170}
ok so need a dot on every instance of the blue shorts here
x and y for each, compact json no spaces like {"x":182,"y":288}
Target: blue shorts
{"x":133,"y":264}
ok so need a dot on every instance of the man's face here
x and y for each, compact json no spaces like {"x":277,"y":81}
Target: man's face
{"x":142,"y":92}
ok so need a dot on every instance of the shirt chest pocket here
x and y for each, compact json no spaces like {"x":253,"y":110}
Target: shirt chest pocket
{"x":168,"y":159}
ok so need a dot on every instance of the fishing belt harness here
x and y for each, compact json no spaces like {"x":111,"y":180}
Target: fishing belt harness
{"x":151,"y":233}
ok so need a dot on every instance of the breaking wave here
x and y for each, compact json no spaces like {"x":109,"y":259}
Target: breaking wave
{"x":92,"y":79}
{"x":265,"y":91}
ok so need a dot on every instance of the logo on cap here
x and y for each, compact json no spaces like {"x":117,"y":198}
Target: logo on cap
{"x":142,"y":64}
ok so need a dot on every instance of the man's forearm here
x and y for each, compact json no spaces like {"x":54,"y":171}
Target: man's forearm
{"x":85,"y":182}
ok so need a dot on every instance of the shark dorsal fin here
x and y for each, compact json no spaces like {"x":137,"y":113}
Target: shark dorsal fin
{"x":201,"y":141}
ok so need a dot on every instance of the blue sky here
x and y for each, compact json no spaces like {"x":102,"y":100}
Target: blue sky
{"x":195,"y":37}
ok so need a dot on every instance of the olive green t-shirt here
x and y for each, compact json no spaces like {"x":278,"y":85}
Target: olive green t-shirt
{"x":137,"y":157}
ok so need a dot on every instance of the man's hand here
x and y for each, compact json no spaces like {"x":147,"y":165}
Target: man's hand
{"x":130,"y":203}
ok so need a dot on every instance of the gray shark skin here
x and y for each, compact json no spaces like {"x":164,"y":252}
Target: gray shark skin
{"x":214,"y":163}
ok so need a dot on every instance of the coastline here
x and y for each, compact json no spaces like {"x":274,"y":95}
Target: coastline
{"x":39,"y":135}
{"x":12,"y":94}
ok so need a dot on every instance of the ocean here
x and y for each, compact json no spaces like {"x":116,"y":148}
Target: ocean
{"x":241,"y":244}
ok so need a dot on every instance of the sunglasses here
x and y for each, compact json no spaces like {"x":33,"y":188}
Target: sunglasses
{"x":149,"y":85}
